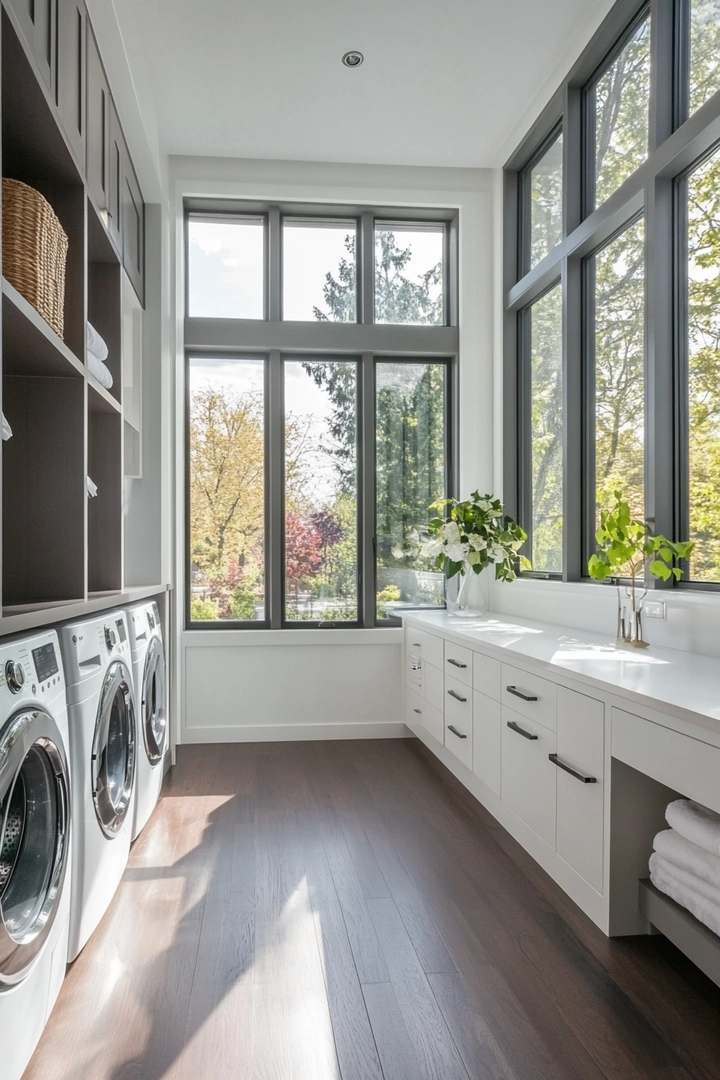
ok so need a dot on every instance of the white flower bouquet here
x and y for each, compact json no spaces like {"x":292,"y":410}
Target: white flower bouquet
{"x":476,"y":534}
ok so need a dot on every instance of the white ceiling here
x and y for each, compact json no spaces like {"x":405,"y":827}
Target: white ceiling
{"x":445,"y":82}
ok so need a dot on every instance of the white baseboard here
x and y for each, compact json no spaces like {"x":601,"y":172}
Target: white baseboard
{"x":296,"y":732}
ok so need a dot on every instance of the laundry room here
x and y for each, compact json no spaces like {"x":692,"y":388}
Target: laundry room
{"x":360,"y":540}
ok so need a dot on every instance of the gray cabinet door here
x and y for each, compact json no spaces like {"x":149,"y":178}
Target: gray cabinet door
{"x":72,"y":74}
{"x":116,"y":167}
{"x":37,"y":20}
{"x":98,"y":127}
{"x":133,"y":225}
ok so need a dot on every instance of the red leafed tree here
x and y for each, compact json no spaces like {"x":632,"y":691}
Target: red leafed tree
{"x":303,"y":550}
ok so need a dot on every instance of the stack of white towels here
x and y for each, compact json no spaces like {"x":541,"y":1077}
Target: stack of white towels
{"x":685,"y":864}
{"x":97,"y":354}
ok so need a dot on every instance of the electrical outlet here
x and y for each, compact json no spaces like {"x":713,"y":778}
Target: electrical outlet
{"x":654,"y":609}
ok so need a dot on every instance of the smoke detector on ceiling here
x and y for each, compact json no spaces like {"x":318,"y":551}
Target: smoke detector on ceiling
{"x":353,"y":58}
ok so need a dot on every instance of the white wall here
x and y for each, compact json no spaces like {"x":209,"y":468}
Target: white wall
{"x":295,"y":684}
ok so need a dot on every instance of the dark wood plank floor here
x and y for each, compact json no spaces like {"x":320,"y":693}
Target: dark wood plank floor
{"x":346,"y":911}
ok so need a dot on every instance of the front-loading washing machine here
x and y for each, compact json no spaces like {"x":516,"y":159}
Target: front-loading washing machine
{"x":101,"y":723}
{"x":35,"y":848}
{"x":148,"y":667}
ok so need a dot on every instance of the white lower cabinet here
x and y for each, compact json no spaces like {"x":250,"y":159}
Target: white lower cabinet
{"x":528,"y":775}
{"x":419,"y":711}
{"x":459,"y":720}
{"x":579,"y":765}
{"x":487,"y":741}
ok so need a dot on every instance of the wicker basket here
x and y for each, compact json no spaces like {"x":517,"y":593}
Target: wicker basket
{"x":34,"y":250}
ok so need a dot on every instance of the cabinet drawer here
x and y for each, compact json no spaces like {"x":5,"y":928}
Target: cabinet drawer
{"x":415,"y":672}
{"x":429,"y":647}
{"x":433,"y":681}
{"x":528,"y":776}
{"x":487,"y":676}
{"x":487,"y":740}
{"x":459,"y":720}
{"x":580,"y":748}
{"x":458,"y":663}
{"x":682,"y":763}
{"x":417,"y":711}
{"x":529,"y":695}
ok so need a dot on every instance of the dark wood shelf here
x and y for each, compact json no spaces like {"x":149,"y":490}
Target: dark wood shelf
{"x":30,"y":345}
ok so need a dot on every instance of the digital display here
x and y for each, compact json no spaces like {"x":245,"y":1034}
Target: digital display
{"x":45,"y":661}
{"x":121,"y":630}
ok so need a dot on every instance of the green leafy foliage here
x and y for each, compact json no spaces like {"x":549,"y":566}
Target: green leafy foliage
{"x":474,"y":535}
{"x":626,"y":547}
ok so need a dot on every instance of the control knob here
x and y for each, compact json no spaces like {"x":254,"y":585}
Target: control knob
{"x":14,"y":676}
{"x":109,"y":638}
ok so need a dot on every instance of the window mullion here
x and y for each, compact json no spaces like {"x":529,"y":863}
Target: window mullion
{"x":274,"y":260}
{"x":366,"y":428}
{"x":572,"y":292}
{"x":662,"y":64}
{"x":366,"y":268}
{"x":275,"y":575}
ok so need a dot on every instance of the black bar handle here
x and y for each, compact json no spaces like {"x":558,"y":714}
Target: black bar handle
{"x":458,"y":697}
{"x":566,"y":768}
{"x":418,"y":711}
{"x":456,"y":663}
{"x":456,"y":732}
{"x":516,"y":727}
{"x":518,"y":693}
{"x":417,"y":645}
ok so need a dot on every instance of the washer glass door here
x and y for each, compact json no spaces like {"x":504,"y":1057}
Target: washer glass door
{"x":34,"y":837}
{"x":154,"y":712}
{"x":113,"y":753}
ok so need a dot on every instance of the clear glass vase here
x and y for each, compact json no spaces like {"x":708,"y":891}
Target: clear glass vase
{"x":473,"y":594}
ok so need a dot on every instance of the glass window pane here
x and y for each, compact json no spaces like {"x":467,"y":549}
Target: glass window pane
{"x":411,"y":471}
{"x":409,"y":274}
{"x":226,"y":268}
{"x":546,"y":191}
{"x":321,"y":490}
{"x":546,"y":412}
{"x":319,"y":270}
{"x":704,"y":368}
{"x":704,"y":51}
{"x":622,"y":103}
{"x":620,"y":370}
{"x":227,"y":489}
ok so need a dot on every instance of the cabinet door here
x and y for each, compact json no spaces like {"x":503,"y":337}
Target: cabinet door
{"x":37,"y":22}
{"x":98,"y":128}
{"x":116,"y":157}
{"x":528,"y":776}
{"x":133,"y":228}
{"x":580,"y":748}
{"x":459,"y":720}
{"x":72,"y":74}
{"x":487,"y":740}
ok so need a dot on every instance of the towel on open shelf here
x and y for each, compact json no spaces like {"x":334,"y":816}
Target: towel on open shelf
{"x":689,"y":881}
{"x":681,"y":852}
{"x":696,"y":823}
{"x":6,"y":429}
{"x":100,"y":371}
{"x":95,"y":344}
{"x":91,"y":488}
{"x":674,"y":883}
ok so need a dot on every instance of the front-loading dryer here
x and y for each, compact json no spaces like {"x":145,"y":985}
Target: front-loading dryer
{"x":101,"y":722}
{"x":148,"y":667}
{"x":35,"y":848}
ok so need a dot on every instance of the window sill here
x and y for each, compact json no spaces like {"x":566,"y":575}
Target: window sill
{"x":248,"y":638}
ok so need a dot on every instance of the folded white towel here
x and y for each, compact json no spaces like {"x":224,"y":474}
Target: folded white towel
{"x":6,"y":429}
{"x":696,"y":823}
{"x":100,"y":371}
{"x":679,"y":851}
{"x":689,"y":881}
{"x":95,"y":344}
{"x":91,"y":488}
{"x":698,"y":905}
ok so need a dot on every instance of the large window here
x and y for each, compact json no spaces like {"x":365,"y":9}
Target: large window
{"x":315,"y":451}
{"x":612,"y":363}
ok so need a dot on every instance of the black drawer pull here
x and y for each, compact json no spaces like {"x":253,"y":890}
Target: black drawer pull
{"x":458,"y":697}
{"x":418,"y":711}
{"x":516,"y":727}
{"x":566,"y":768}
{"x":456,"y":732}
{"x":417,"y":645}
{"x":456,"y":663}
{"x":518,"y":693}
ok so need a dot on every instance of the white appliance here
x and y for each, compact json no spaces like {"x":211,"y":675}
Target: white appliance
{"x":148,"y":667}
{"x":101,"y":722}
{"x":35,"y":855}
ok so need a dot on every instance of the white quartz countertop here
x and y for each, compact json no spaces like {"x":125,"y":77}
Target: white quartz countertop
{"x":668,"y":680}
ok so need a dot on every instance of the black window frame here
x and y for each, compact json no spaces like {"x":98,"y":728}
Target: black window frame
{"x":525,"y":207}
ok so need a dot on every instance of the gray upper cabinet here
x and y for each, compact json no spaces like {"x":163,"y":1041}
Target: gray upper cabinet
{"x":133,"y":224}
{"x":98,"y":127}
{"x":36,"y":20}
{"x":72,"y":74}
{"x":116,"y":167}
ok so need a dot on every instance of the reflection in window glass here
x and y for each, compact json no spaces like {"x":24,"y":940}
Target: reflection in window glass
{"x":411,"y":474}
{"x":622,"y":103}
{"x":227,"y":489}
{"x":620,"y":370}
{"x":321,"y":491}
{"x":546,"y":191}
{"x":704,"y":368}
{"x":409,"y":274}
{"x":704,"y":51}
{"x":319,"y":270}
{"x":226,"y":268}
{"x":546,"y":411}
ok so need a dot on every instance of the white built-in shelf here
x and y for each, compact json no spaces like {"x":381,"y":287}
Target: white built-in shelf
{"x":30,"y":345}
{"x":21,"y":618}
{"x":100,"y":399}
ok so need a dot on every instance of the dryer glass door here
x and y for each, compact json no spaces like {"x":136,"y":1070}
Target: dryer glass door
{"x":34,"y":837}
{"x":154,"y":712}
{"x":113,"y":754}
